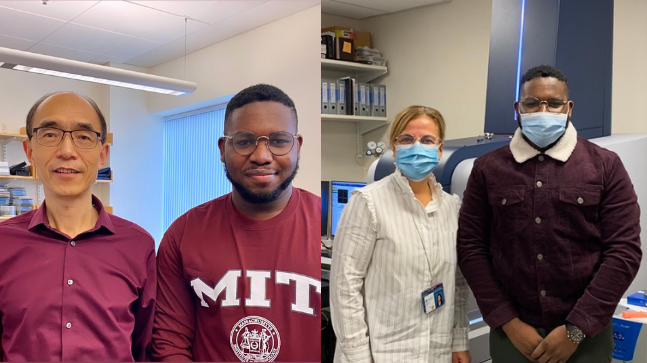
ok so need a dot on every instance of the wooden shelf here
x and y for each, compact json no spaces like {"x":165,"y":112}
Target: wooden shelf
{"x":11,"y":137}
{"x":16,"y":177}
{"x":366,"y":123}
{"x":4,"y":218}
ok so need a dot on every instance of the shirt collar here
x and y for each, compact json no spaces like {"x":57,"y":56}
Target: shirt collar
{"x":40,"y":217}
{"x":562,"y":150}
{"x":436,"y":188}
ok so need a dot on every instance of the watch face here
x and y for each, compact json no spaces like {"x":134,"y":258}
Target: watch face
{"x":575,"y":334}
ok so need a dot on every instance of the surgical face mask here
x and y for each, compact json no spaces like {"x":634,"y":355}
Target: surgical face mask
{"x":543,"y":128}
{"x":416,"y":161}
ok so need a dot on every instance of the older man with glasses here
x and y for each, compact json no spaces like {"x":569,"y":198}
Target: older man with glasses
{"x":549,"y":234}
{"x":76,"y":283}
{"x":239,"y":276}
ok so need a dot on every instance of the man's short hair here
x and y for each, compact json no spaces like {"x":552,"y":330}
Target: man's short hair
{"x":30,"y":116}
{"x":544,"y":71}
{"x":258,"y":93}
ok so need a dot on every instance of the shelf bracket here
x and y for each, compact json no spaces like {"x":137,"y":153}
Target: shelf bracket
{"x":358,"y":131}
{"x":4,"y":150}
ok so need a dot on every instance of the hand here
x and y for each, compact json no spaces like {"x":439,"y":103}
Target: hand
{"x":523,"y":336}
{"x":461,"y":357}
{"x":555,"y":348}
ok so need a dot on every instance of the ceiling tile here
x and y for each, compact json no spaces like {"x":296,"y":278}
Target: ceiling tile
{"x":26,"y":26}
{"x":242,"y":22}
{"x":15,"y":43}
{"x":62,"y":52}
{"x":103,"y":59}
{"x":133,"y":49}
{"x":165,"y":53}
{"x":348,"y":10}
{"x":61,"y":10}
{"x":221,"y":10}
{"x":174,"y":30}
{"x":176,"y":7}
{"x":390,"y":5}
{"x":124,"y":18}
{"x":86,"y":38}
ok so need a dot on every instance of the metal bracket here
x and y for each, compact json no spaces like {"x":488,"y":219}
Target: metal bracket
{"x":358,"y":131}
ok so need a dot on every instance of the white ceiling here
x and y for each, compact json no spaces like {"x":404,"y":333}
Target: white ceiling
{"x":360,"y":9}
{"x":141,"y":33}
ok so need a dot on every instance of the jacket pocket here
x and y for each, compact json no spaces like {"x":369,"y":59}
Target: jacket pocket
{"x":507,"y":208}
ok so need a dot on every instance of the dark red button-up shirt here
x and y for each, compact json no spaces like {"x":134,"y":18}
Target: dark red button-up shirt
{"x":550,"y":241}
{"x":90,"y":298}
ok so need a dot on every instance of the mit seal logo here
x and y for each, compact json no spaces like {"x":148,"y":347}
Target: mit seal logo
{"x":255,"y":339}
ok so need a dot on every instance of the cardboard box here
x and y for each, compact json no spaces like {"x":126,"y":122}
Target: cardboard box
{"x":346,"y":49}
{"x":363,"y":39}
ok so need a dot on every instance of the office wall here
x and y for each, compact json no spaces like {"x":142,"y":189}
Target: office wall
{"x":284,"y":53}
{"x":629,"y":71}
{"x":437,"y":56}
{"x":136,"y":160}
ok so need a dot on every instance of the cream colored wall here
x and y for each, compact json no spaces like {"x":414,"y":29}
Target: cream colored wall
{"x":284,"y":53}
{"x":629,"y":70}
{"x":437,"y":56}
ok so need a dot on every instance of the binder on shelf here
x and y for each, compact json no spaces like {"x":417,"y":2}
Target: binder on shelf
{"x":375,"y":100}
{"x":382,"y":100}
{"x":332,"y":97}
{"x":355,"y":89}
{"x":328,"y":40}
{"x":341,"y":98}
{"x":325,"y":104}
{"x":349,"y":97}
{"x":364,"y":106}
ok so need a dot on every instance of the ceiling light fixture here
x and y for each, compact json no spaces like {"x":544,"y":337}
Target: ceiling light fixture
{"x":53,"y":66}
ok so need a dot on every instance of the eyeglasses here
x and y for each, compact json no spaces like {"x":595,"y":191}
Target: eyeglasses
{"x":279,"y":143}
{"x":406,"y":139}
{"x":533,"y":104}
{"x":51,"y":136}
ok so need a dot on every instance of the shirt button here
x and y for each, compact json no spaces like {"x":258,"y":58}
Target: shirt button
{"x":580,"y":200}
{"x":539,"y":184}
{"x":504,"y":201}
{"x":68,"y":325}
{"x":541,"y":158}
{"x":73,"y":243}
{"x":70,"y":282}
{"x":538,"y":220}
{"x":543,"y":292}
{"x":540,"y":257}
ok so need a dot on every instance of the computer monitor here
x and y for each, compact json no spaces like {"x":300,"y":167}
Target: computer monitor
{"x":325,"y":207}
{"x":340,"y":196}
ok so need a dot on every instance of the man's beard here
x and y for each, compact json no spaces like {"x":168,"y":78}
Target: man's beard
{"x":262,"y":198}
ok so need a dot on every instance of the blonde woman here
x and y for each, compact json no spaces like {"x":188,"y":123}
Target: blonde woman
{"x":396,"y":292}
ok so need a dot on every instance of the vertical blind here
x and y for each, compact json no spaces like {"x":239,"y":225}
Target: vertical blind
{"x":193,"y":172}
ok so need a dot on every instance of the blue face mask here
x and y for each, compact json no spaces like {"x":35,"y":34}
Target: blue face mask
{"x":416,"y":161}
{"x":543,"y":128}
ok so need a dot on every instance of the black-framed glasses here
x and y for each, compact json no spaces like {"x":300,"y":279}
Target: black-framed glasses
{"x":533,"y":104}
{"x":279,"y":143}
{"x":406,"y":139}
{"x":52,"y":136}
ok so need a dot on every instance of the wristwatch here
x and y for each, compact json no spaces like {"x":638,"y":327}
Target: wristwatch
{"x":575,"y":334}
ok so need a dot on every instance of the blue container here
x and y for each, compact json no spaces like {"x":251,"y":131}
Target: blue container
{"x":625,"y":337}
{"x":638,"y":299}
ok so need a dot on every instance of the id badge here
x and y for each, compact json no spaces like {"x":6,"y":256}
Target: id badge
{"x":433,"y":298}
